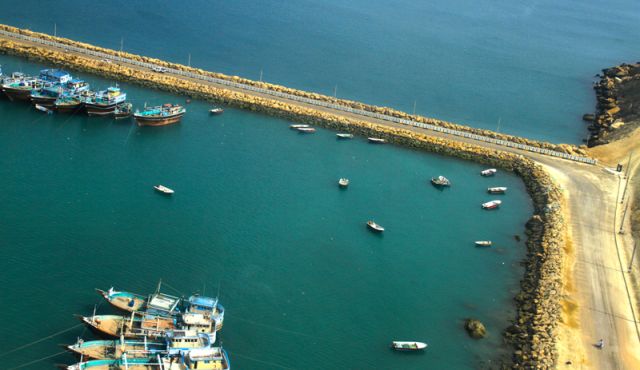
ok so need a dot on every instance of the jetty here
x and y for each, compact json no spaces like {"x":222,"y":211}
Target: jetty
{"x":571,"y":193}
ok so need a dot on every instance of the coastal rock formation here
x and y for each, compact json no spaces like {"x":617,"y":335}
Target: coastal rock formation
{"x":475,"y":328}
{"x":616,"y":115}
{"x":569,"y":149}
{"x":538,"y":311}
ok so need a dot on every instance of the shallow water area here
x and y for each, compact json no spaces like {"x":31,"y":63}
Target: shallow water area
{"x":259,"y":219}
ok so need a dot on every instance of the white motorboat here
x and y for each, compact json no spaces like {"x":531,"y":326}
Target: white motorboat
{"x":343,"y":182}
{"x":44,"y":109}
{"x":163,"y":189}
{"x":297,"y":126}
{"x":344,"y":136}
{"x":374,"y":226}
{"x":408,"y":346}
{"x":375,"y":140}
{"x":492,"y":204}
{"x":488,"y":172}
{"x":216,"y":111}
{"x":497,"y":190}
{"x":483,"y":243}
{"x":306,"y":130}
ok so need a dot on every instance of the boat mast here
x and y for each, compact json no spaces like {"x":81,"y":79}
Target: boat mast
{"x":189,"y":63}
{"x":55,"y":29}
{"x":159,"y":281}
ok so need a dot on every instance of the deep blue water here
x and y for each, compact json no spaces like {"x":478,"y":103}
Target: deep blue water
{"x":258,"y":215}
{"x":525,"y":64}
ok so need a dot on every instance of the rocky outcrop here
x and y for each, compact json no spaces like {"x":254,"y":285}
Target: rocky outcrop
{"x":533,"y":331}
{"x":569,"y":149}
{"x":475,"y":328}
{"x":618,"y":97}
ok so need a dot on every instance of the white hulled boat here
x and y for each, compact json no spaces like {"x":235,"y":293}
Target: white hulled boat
{"x":483,"y":243}
{"x":343,"y":182}
{"x":497,"y":190}
{"x":344,"y":136}
{"x":488,"y":172}
{"x":375,"y":140}
{"x":163,"y":189}
{"x":492,"y":204}
{"x":374,"y":226}
{"x":408,"y":346}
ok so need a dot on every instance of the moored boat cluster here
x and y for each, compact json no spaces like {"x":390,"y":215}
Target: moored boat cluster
{"x":158,"y":331}
{"x":55,"y":90}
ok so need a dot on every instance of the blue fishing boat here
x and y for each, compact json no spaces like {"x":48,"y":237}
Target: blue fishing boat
{"x":67,"y":104}
{"x":55,"y":76}
{"x":47,"y":96}
{"x":103,"y":103}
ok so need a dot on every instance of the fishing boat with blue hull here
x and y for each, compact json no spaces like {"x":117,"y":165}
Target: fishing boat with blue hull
{"x":103,"y":103}
{"x":174,"y":343}
{"x":160,"y":116}
{"x":207,"y":306}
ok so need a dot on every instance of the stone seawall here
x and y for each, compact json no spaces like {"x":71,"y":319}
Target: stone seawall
{"x":532,"y":333}
{"x":563,"y":148}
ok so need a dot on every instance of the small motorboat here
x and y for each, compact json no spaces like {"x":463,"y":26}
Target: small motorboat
{"x":492,"y":204}
{"x":488,"y":172}
{"x":163,"y":189}
{"x":374,"y":226}
{"x":306,"y":130}
{"x":297,"y":126}
{"x":375,"y":140}
{"x":408,"y":346}
{"x":343,"y":182}
{"x":42,"y":108}
{"x":483,"y":243}
{"x":497,"y":190}
{"x":216,"y":111}
{"x":440,"y":181}
{"x":344,"y":136}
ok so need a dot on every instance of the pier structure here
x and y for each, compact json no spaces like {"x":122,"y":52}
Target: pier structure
{"x":494,"y":139}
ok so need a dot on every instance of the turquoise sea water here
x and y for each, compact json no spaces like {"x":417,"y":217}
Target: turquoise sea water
{"x":527,"y":65}
{"x":258,"y":215}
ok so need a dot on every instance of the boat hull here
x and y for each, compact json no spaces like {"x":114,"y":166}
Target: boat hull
{"x":68,"y":108}
{"x":100,"y":109}
{"x":158,"y":121}
{"x":17,"y":94}
{"x":47,"y":101}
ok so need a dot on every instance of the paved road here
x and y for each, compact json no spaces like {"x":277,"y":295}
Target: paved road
{"x":600,"y":287}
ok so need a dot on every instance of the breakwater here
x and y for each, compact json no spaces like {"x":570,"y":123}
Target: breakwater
{"x":559,"y":150}
{"x":532,"y":333}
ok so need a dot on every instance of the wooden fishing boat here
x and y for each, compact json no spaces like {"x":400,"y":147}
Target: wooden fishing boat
{"x":173,"y":343}
{"x":440,"y":181}
{"x":375,"y":140}
{"x":122,"y":363}
{"x":103,"y":103}
{"x":488,"y":172}
{"x":67,"y":104}
{"x":344,"y":136}
{"x":216,"y":111}
{"x":138,"y":325}
{"x":123,"y":110}
{"x":20,"y":89}
{"x":497,"y":190}
{"x":483,"y":243}
{"x":374,"y":226}
{"x":306,"y":130}
{"x":160,"y":116}
{"x":408,"y":346}
{"x":163,"y":189}
{"x":198,"y":312}
{"x":207,"y":358}
{"x":343,"y":182}
{"x":492,"y":204}
{"x":114,"y":349}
